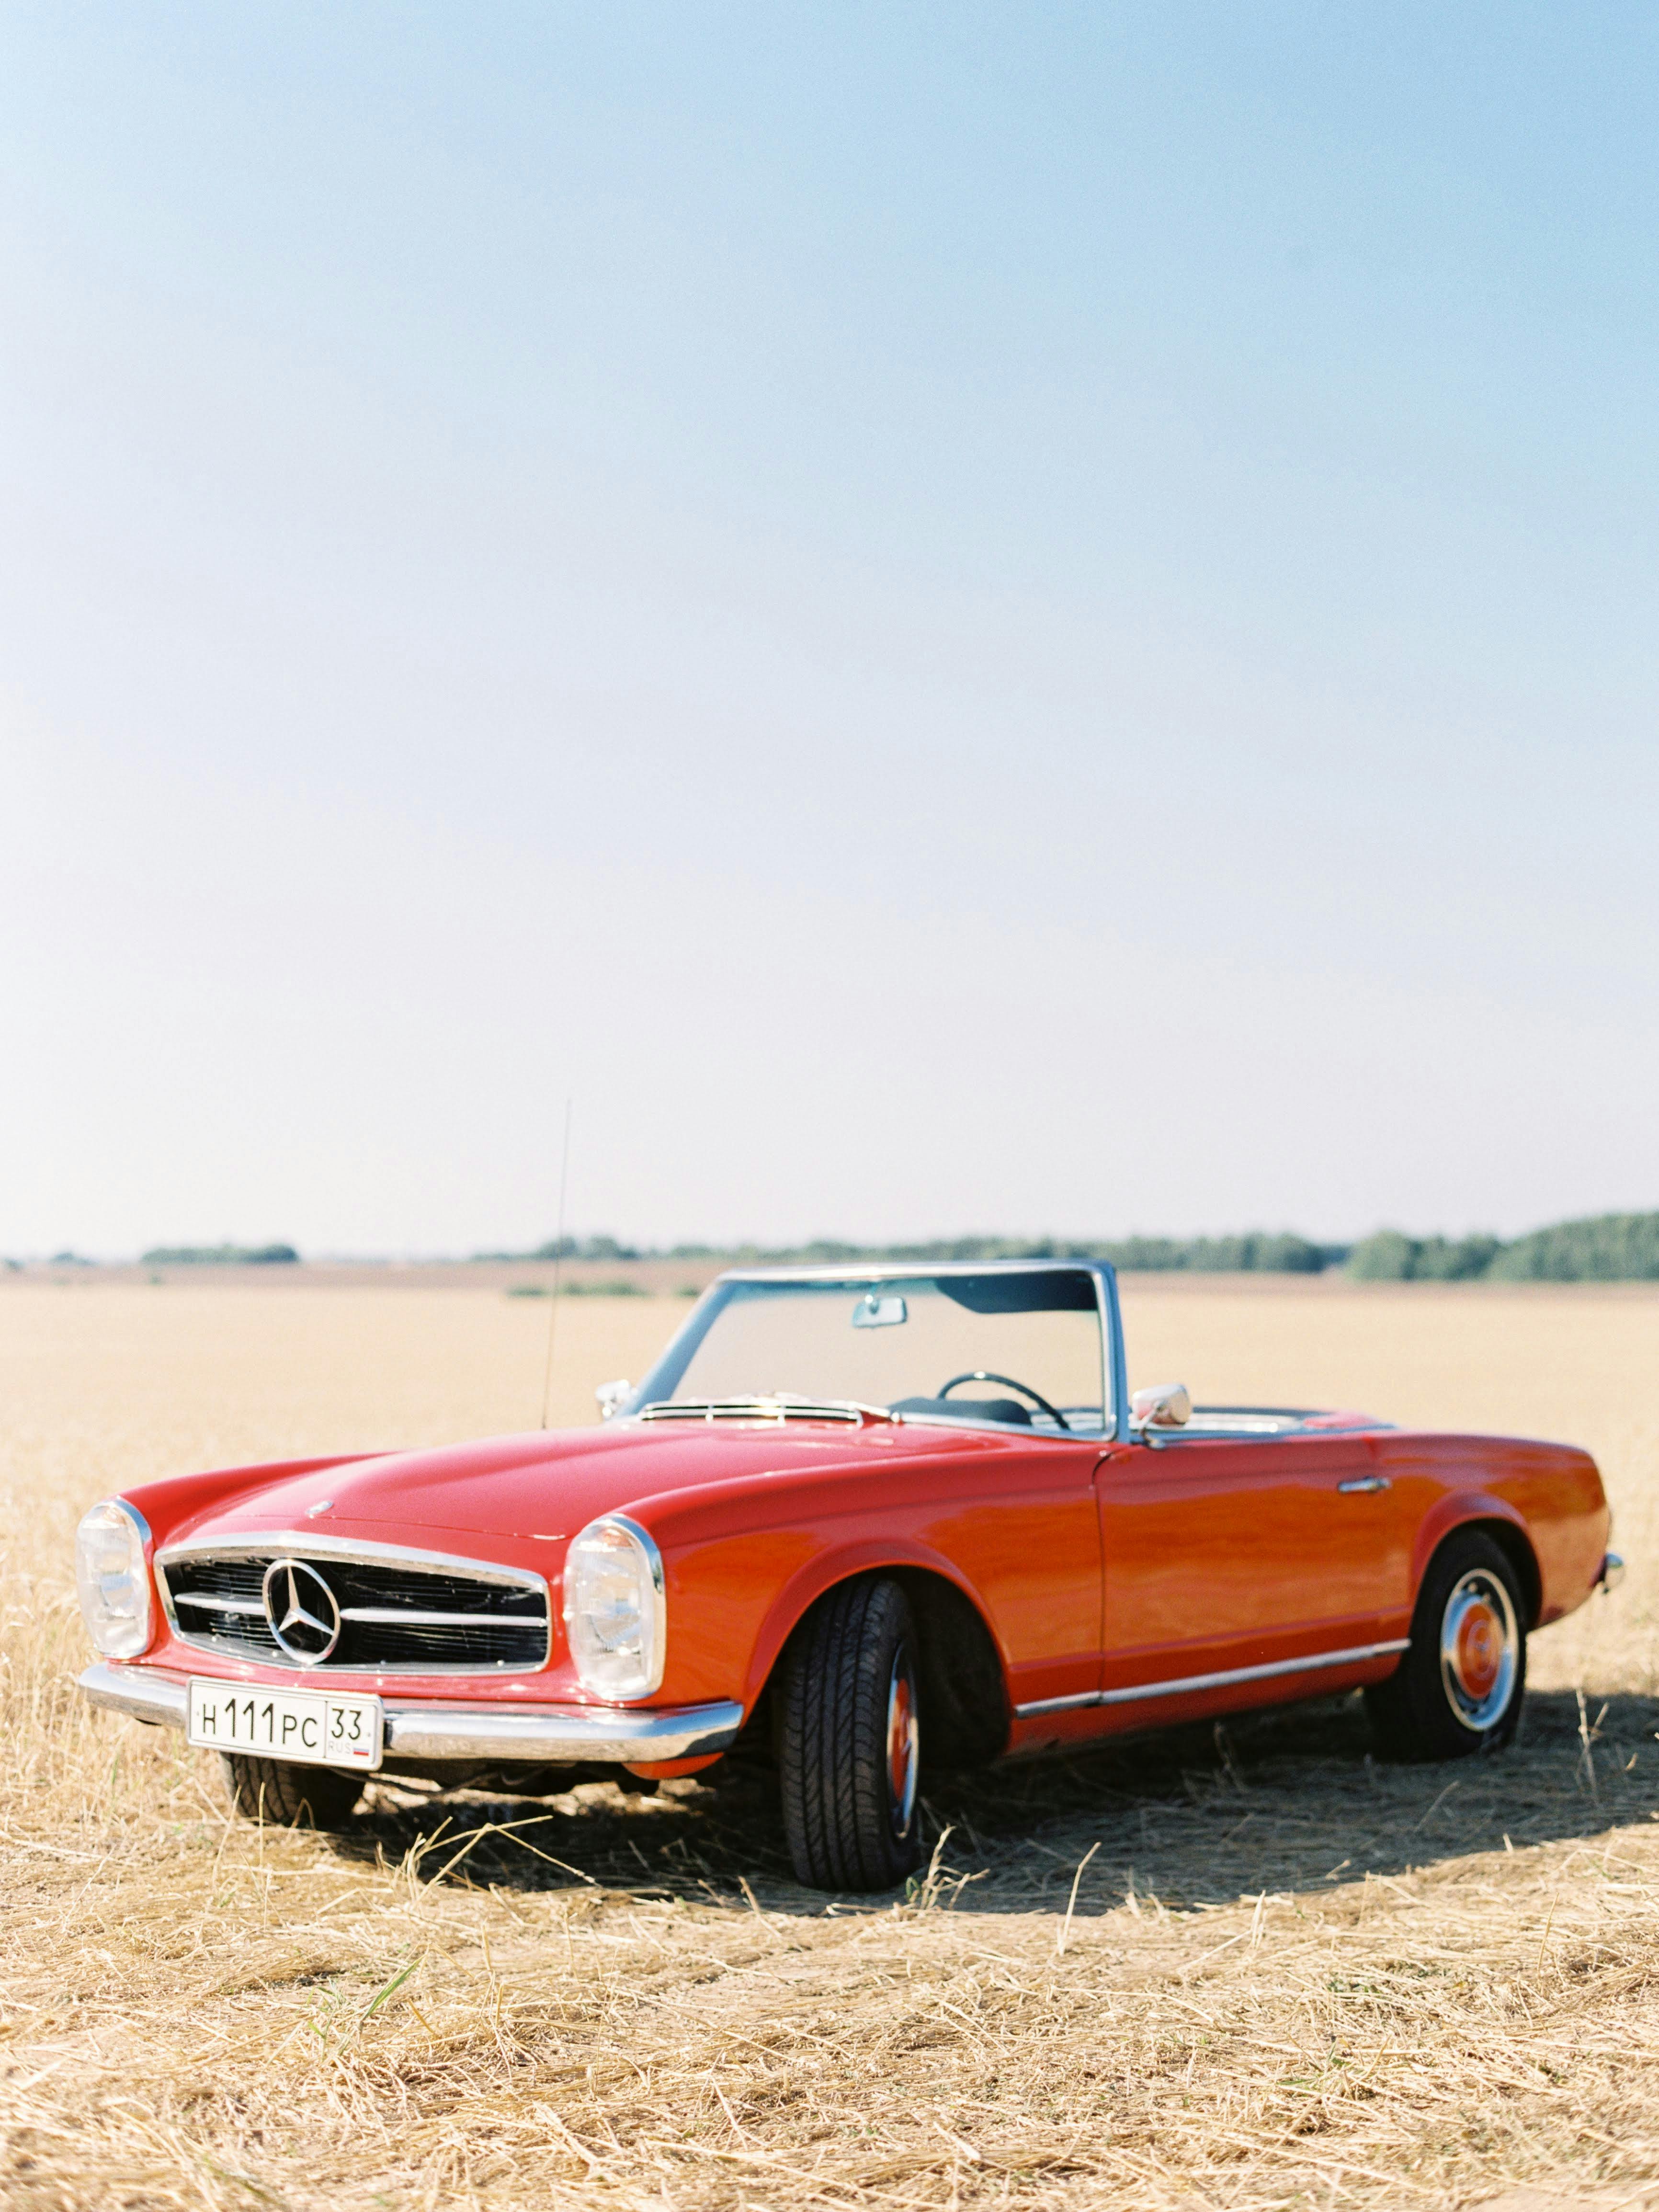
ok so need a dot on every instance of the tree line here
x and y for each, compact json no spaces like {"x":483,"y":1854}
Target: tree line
{"x":1606,"y":1247}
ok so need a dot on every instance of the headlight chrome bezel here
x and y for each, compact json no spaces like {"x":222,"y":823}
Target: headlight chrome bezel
{"x":610,"y":1545}
{"x":116,"y":1633}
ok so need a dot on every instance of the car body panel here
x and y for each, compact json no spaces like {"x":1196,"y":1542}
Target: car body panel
{"x":1221,"y":1554}
{"x":1550,"y":1494}
{"x":1122,"y":1583}
{"x":789,"y":1510}
{"x":1013,"y":1525}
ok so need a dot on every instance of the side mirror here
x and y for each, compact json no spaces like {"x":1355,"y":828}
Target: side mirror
{"x":612,"y":1397}
{"x":1164,"y":1406}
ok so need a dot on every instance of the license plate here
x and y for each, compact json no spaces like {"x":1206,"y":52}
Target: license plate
{"x":313,"y":1727}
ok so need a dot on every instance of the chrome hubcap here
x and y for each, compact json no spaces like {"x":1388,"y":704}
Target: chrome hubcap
{"x":903,"y":1761}
{"x":1479,"y":1650}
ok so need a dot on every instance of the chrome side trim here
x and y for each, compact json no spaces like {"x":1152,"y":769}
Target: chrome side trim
{"x":553,"y":1735}
{"x":1188,"y":1683}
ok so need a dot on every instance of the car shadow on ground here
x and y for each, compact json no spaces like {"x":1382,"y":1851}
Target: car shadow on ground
{"x":1276,"y":1801}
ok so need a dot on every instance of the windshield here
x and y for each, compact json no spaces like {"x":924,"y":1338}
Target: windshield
{"x":1021,"y":1349}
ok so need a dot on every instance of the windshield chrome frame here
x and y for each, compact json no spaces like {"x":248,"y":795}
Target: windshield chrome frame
{"x":1114,"y":1378}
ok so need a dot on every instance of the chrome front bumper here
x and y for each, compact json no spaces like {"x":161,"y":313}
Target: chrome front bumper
{"x":555,"y":1735}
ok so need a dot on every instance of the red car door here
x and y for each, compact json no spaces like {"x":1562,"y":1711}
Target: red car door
{"x":1023,"y":1526}
{"x":1236,"y":1558}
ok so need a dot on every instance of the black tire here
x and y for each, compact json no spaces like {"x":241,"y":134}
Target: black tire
{"x":849,"y":1744}
{"x":285,"y":1795}
{"x":1460,"y":1684}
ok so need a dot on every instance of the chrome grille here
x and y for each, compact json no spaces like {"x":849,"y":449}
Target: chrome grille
{"x":397,"y":1614}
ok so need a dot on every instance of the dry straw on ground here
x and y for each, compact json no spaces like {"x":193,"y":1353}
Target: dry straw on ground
{"x":1246,"y":1969}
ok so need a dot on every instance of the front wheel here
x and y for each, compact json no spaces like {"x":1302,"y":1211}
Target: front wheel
{"x":1460,"y":1686}
{"x":850,"y":1740}
{"x":286,"y":1795}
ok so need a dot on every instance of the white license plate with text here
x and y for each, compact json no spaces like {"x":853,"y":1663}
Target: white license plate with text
{"x":312,"y":1727}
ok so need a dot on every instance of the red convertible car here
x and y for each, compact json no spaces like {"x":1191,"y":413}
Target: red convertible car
{"x":852,"y":1519}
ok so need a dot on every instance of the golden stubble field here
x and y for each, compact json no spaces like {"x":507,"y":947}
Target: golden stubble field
{"x":1290,"y":1975}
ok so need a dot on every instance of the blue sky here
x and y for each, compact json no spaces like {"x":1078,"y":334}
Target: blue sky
{"x":1020,"y":617}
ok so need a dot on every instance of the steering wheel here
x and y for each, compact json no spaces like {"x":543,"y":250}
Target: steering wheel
{"x":984,"y":1375}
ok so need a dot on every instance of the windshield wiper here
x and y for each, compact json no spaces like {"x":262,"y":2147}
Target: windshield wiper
{"x":774,"y":1406}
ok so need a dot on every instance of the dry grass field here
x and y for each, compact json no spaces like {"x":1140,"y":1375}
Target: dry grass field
{"x":1246,"y":1969}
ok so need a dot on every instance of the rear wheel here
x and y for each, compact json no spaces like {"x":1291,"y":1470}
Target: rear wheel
{"x":850,"y":1743}
{"x":285,"y":1795}
{"x":1459,"y":1688}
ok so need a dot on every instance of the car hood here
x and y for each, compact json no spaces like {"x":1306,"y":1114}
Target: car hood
{"x":544,"y":1487}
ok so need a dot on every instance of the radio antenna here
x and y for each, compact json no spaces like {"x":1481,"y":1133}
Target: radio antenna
{"x":558,"y":1263}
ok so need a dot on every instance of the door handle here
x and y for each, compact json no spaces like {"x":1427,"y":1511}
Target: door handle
{"x":1361,"y":1482}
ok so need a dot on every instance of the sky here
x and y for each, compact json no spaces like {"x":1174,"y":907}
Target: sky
{"x":1027,"y":618}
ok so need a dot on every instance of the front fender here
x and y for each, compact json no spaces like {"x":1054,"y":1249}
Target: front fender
{"x":734,"y":1598}
{"x":743,"y":1561}
{"x":805,"y":1587}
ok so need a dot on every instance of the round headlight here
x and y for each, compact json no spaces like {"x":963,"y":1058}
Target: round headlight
{"x":615,"y":1616}
{"x":111,"y":1578}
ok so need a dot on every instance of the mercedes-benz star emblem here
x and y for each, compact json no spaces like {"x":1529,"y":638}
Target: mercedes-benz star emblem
{"x":301,"y":1608}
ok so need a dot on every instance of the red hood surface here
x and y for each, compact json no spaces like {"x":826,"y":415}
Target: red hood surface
{"x":546,"y":1485}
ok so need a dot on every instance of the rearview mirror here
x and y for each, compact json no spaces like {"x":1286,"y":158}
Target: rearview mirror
{"x":612,"y":1396}
{"x":878,"y":1312}
{"x":1161,"y":1406}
